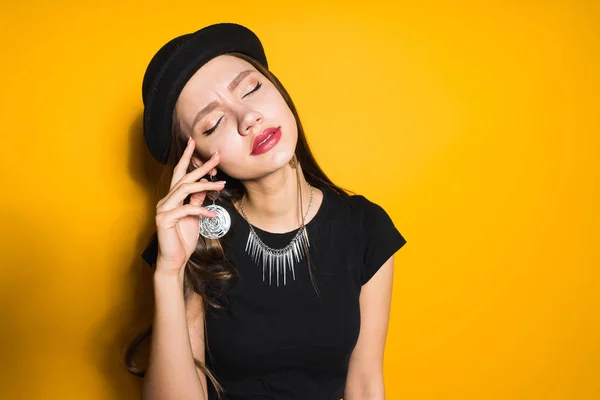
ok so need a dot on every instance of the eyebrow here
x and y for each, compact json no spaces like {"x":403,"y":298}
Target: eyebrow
{"x":212,"y":105}
{"x":234,"y":83}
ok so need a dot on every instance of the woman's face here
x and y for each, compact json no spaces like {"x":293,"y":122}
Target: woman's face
{"x":230,"y":107}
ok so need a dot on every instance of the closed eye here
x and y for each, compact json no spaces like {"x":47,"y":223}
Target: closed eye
{"x":258,"y":85}
{"x":211,"y":130}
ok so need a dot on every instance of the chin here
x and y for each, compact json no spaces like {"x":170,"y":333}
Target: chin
{"x":275,"y":161}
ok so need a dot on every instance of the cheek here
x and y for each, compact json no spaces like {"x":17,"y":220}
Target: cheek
{"x":234,"y":165}
{"x":280,"y":106}
{"x":223,"y":141}
{"x":276,"y":109}
{"x":203,"y":149}
{"x":231,"y":147}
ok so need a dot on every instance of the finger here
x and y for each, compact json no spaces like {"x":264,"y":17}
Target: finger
{"x":196,"y":199}
{"x":181,"y":168}
{"x":177,"y":196}
{"x":197,"y":162}
{"x":168,"y":219}
{"x":201,"y":171}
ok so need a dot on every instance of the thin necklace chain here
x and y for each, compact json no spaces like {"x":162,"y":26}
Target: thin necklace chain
{"x":305,"y":216}
{"x":279,"y":260}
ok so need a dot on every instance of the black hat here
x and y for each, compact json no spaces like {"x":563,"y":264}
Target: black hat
{"x":175,"y":63}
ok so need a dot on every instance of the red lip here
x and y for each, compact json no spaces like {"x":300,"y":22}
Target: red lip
{"x":266,"y":140}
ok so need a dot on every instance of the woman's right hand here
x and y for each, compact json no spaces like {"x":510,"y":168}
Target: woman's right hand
{"x":177,"y":224}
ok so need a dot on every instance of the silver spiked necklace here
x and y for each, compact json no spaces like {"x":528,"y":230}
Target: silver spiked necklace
{"x":278,"y":261}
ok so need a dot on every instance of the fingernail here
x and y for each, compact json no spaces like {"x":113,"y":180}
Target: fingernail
{"x":203,"y":180}
{"x":221,"y":182}
{"x":214,"y":155}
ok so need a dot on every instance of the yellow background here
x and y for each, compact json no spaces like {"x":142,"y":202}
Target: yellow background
{"x":474,"y":124}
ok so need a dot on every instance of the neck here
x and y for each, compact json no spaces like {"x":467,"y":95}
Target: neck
{"x":272,"y":202}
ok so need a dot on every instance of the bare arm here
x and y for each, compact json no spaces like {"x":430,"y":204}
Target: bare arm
{"x":177,"y":337}
{"x":178,"y":334}
{"x":365,"y":372}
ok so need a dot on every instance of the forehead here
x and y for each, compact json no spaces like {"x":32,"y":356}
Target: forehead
{"x":215,"y":74}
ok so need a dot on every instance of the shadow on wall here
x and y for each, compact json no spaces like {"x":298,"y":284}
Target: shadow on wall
{"x":134,"y":313}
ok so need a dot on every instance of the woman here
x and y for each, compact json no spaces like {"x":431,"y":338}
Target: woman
{"x":284,"y":292}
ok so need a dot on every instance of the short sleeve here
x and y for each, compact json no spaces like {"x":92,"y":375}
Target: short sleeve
{"x":150,"y":254}
{"x":382,"y":240}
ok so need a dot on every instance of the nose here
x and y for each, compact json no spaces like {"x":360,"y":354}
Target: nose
{"x":250,"y":121}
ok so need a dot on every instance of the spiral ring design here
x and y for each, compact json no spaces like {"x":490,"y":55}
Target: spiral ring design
{"x":217,"y":227}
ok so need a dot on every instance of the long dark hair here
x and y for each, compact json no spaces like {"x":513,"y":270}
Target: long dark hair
{"x":208,"y":273}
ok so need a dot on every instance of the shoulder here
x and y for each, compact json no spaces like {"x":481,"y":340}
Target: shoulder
{"x":362,"y":204}
{"x":380,"y":237}
{"x":372,"y":216}
{"x":359,"y":206}
{"x":356,"y":211}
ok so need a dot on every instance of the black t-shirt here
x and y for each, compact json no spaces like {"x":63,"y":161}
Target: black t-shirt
{"x":288,"y":342}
